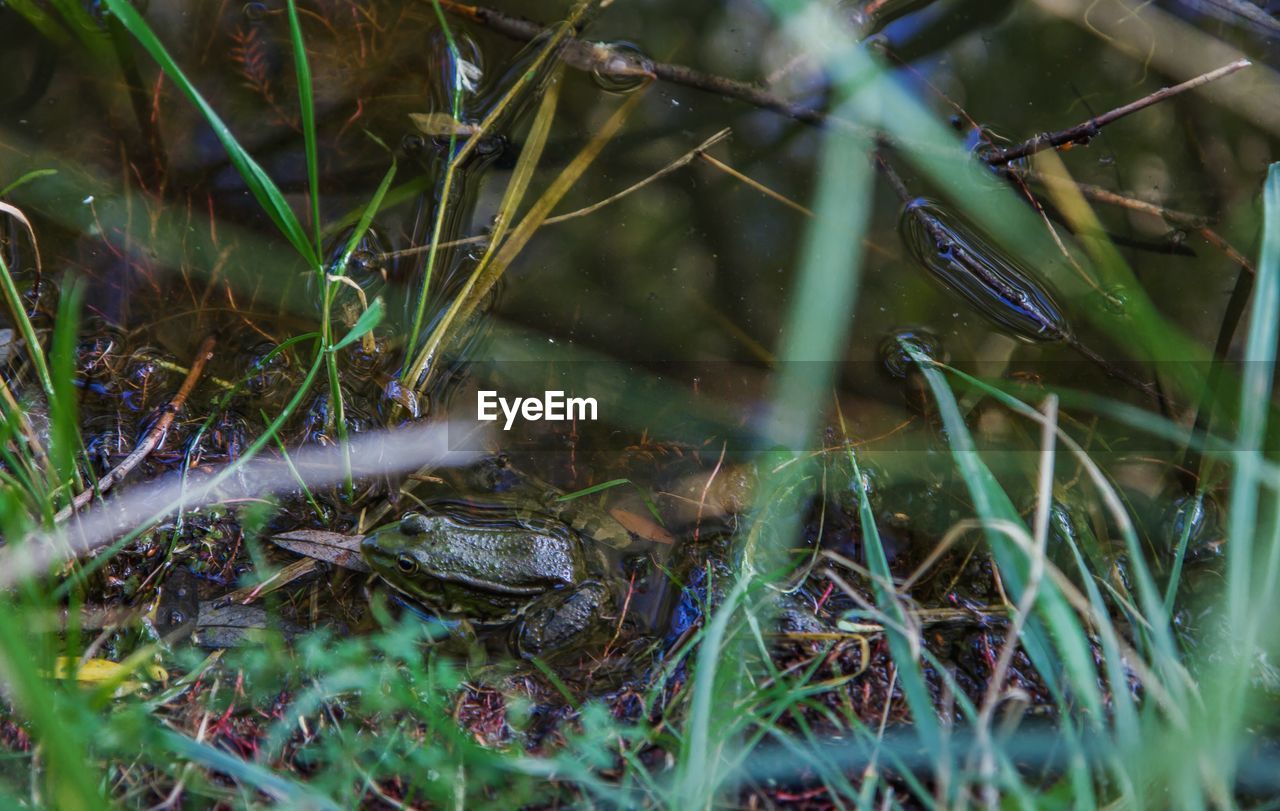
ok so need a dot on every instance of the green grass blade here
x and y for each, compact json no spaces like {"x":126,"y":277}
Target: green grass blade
{"x":369,"y":319}
{"x":993,"y":507}
{"x":1259,"y":369}
{"x":366,"y":218}
{"x":41,"y":21}
{"x":910,"y":674}
{"x":64,"y":423}
{"x":26,"y":330}
{"x":33,"y":175}
{"x":282,"y":790}
{"x":260,"y":184}
{"x":307,"y":110}
{"x":1246,"y":574}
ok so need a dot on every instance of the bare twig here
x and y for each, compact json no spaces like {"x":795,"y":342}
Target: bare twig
{"x":152,"y":438}
{"x":617,"y":63}
{"x":613,"y":62}
{"x":1083,"y":132}
{"x":1192,"y":222}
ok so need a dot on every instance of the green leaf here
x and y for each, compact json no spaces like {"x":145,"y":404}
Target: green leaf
{"x":63,"y":411}
{"x":994,"y":508}
{"x":369,"y":319}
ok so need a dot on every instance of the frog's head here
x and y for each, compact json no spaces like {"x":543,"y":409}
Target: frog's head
{"x":399,"y":552}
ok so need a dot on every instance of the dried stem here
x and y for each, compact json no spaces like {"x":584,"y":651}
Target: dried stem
{"x":152,"y":438}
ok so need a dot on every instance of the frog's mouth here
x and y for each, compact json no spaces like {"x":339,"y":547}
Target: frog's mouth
{"x":378,"y":558}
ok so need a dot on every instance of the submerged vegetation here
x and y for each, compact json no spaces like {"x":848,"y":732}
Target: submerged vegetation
{"x":932,"y":468}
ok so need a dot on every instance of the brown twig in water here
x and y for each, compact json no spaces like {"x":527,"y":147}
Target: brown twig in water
{"x":1184,"y":219}
{"x":1083,"y":132}
{"x":604,"y":60}
{"x":616,"y":63}
{"x":151,"y":440}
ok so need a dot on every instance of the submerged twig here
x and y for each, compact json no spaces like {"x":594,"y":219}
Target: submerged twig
{"x":1192,"y":222}
{"x":1081,"y":133}
{"x":152,"y":438}
{"x":605,"y":60}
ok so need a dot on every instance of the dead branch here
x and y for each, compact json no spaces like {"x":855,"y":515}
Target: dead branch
{"x":616,"y":63}
{"x":1083,"y":132}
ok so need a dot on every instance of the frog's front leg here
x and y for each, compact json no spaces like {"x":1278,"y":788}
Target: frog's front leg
{"x":561,"y":619}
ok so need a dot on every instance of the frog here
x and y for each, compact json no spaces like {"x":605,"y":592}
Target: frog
{"x":536,"y":577}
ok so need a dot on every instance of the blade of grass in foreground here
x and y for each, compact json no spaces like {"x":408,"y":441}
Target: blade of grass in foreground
{"x":49,"y":709}
{"x":1249,"y":587}
{"x":910,"y":674}
{"x":993,"y":507}
{"x":260,"y":184}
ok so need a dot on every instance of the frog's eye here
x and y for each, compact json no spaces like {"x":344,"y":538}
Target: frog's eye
{"x":406,"y":564}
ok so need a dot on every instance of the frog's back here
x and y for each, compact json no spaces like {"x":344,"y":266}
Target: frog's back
{"x":500,"y":559}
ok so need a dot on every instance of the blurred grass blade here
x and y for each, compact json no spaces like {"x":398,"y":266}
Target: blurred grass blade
{"x":1250,"y":587}
{"x":33,"y":175}
{"x":76,"y":16}
{"x":40,"y":20}
{"x":263,"y":188}
{"x":70,"y":784}
{"x":1256,"y":383}
{"x":993,"y":506}
{"x":280,"y":789}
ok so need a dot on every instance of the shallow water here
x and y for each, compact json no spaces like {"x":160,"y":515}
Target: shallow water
{"x":666,"y":305}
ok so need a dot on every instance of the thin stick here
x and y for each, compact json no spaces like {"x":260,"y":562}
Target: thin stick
{"x":152,"y":438}
{"x":1083,"y":132}
{"x":1192,"y":222}
{"x":757,"y":185}
{"x":615,"y":63}
{"x":607,"y":61}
